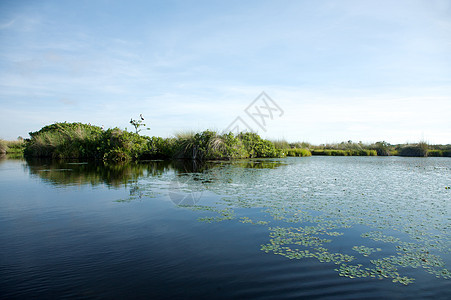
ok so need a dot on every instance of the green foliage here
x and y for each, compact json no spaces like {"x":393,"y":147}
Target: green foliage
{"x":77,"y":140}
{"x":439,"y":153}
{"x":138,"y":124}
{"x":257,"y":147}
{"x":382,"y":148}
{"x":158,"y":147}
{"x":209,"y":145}
{"x":119,"y":145}
{"x":418,"y":150}
{"x":281,"y":144}
{"x":333,"y":152}
{"x":64,"y":140}
{"x":435,"y":153}
{"x":14,"y":147}
{"x":297,"y":152}
{"x":3,"y":146}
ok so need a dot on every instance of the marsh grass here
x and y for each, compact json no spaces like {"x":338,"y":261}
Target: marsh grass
{"x":333,"y":152}
{"x":77,"y":140}
{"x":12,"y":147}
{"x":281,"y":144}
{"x":297,"y":152}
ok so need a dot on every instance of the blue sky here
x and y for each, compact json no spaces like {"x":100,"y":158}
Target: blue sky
{"x":339,"y":70}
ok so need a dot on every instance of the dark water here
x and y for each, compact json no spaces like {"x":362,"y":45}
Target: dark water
{"x":319,"y":227}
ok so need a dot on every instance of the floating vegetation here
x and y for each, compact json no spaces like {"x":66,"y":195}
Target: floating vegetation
{"x":249,"y":221}
{"x":365,"y":251}
{"x":310,"y":209}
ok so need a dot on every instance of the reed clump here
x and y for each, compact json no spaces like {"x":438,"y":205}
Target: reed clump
{"x":334,"y":152}
{"x":12,"y":147}
{"x":296,"y":152}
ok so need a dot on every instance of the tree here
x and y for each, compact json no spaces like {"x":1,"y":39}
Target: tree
{"x":138,"y":123}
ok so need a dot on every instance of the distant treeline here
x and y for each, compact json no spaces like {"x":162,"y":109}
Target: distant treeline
{"x":78,"y":140}
{"x":383,"y":148}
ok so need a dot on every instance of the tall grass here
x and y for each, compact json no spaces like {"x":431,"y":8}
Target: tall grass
{"x":297,"y":152}
{"x":11,"y":147}
{"x":3,"y":146}
{"x":333,"y":152}
{"x":281,"y":144}
{"x":76,"y":140}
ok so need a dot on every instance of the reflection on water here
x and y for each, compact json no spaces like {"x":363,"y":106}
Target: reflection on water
{"x":304,"y":227}
{"x":94,"y":173}
{"x":65,"y":172}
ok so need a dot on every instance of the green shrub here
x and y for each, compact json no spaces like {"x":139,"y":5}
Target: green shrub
{"x":64,"y":140}
{"x":382,"y":148}
{"x":16,"y":147}
{"x":257,"y":147}
{"x":281,"y":144}
{"x":418,"y":150}
{"x":3,"y":146}
{"x":297,"y":152}
{"x":158,"y":147}
{"x":119,"y":145}
{"x":435,"y":153}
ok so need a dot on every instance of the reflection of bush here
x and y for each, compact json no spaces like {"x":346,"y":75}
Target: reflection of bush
{"x":73,"y":173}
{"x":119,"y":174}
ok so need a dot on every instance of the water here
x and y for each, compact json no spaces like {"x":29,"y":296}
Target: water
{"x":319,"y":227}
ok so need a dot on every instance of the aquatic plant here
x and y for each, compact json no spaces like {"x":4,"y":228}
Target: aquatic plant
{"x":304,"y":221}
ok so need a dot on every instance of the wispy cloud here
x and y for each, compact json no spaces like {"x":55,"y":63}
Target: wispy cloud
{"x":341,"y":70}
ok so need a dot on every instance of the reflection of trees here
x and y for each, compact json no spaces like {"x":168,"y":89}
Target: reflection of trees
{"x":67,"y":172}
{"x":64,"y":172}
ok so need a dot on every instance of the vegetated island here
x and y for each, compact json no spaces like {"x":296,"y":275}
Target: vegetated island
{"x":85,"y":141}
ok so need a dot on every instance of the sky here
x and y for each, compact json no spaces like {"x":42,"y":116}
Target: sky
{"x":330,"y":71}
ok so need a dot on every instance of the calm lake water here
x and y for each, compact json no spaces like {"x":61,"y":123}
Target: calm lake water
{"x":317,"y":227}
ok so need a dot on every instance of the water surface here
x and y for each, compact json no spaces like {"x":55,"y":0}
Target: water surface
{"x":318,"y":227}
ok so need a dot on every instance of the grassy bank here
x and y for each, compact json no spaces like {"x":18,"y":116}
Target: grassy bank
{"x":383,"y":148}
{"x":77,"y":140}
{"x":12,"y":147}
{"x":332,"y":152}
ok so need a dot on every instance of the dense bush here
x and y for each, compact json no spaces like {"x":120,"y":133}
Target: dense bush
{"x":435,"y":153}
{"x":297,"y":152}
{"x":418,"y":150}
{"x":64,"y":140}
{"x":382,"y":148}
{"x":258,"y":147}
{"x":76,"y":140}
